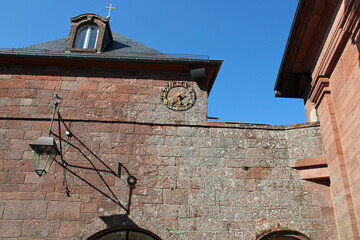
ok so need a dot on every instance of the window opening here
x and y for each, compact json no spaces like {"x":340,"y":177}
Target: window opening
{"x":86,"y":37}
{"x":284,"y":235}
{"x":124,"y":233}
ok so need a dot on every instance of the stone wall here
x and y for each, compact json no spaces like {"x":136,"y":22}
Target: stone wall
{"x":336,"y":97}
{"x":344,"y":109}
{"x":101,"y":94}
{"x":195,"y":180}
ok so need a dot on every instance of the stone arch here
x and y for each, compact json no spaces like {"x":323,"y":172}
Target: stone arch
{"x":283,"y":235}
{"x":124,"y":233}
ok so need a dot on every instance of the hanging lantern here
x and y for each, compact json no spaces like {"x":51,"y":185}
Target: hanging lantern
{"x":45,"y":151}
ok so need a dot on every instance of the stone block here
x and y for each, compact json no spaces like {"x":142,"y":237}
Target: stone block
{"x":63,"y":210}
{"x":25,"y":210}
{"x":16,"y":134}
{"x":143,"y":129}
{"x":152,"y":196}
{"x":15,"y":178}
{"x":40,"y":229}
{"x":87,"y":207}
{"x":311,"y":162}
{"x":69,"y":86}
{"x":175,"y":196}
{"x":13,"y":83}
{"x":13,"y":155}
{"x":68,"y":229}
{"x":10,"y":228}
{"x":88,"y":86}
{"x":128,"y":89}
{"x":315,"y":173}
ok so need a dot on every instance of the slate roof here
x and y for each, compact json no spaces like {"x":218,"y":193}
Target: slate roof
{"x":121,"y":46}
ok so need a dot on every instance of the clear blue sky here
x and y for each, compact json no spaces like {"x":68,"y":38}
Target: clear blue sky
{"x":250,"y":36}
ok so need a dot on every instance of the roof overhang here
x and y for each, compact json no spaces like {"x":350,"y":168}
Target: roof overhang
{"x":308,"y":31}
{"x":165,"y":64}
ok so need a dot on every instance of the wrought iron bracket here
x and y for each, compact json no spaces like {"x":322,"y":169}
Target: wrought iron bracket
{"x":130,"y":180}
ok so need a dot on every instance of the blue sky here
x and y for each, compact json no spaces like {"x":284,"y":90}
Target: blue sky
{"x":250,"y":36}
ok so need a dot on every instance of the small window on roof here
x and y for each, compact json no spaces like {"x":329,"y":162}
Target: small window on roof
{"x":86,"y":37}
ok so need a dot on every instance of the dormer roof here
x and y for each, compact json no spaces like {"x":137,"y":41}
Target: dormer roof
{"x":100,"y":37}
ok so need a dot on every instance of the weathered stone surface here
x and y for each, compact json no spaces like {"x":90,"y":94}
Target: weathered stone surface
{"x":175,"y":196}
{"x":195,"y":180}
{"x":58,"y":210}
{"x":68,"y":229}
{"x":10,"y":228}
{"x":41,"y":228}
{"x":24,"y":210}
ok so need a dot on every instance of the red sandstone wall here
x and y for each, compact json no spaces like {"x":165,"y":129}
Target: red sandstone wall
{"x":344,"y":130}
{"x":101,"y":95}
{"x":192,"y":183}
{"x":336,"y":96}
{"x":345,"y":89}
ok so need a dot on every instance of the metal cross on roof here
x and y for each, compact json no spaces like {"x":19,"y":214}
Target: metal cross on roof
{"x":108,"y":16}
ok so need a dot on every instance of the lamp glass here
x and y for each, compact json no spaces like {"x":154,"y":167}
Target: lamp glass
{"x":42,"y":163}
{"x":45,"y":151}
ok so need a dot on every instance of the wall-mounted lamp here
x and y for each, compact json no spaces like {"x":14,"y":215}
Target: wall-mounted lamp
{"x":45,"y":149}
{"x":45,"y":152}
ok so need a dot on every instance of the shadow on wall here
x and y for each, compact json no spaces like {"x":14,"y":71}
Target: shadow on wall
{"x":353,"y":8}
{"x":356,"y":39}
{"x":117,"y":220}
{"x":93,"y":166}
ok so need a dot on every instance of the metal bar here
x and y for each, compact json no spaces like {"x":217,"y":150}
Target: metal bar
{"x":97,"y":189}
{"x":129,"y":200}
{"x":52,"y":119}
{"x":112,"y":193}
{"x":87,"y":148}
{"x":88,"y":168}
{"x":56,"y":105}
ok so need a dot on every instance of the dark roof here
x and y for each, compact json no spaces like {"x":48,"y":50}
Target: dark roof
{"x":309,"y":28}
{"x":121,"y":49}
{"x":121,"y":46}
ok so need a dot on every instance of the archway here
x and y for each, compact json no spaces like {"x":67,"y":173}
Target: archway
{"x":284,"y":235}
{"x":124,"y":233}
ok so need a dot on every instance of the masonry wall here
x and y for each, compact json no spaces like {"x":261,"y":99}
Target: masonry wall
{"x":345,"y":87}
{"x":338,"y":112}
{"x":101,"y":94}
{"x":195,"y":180}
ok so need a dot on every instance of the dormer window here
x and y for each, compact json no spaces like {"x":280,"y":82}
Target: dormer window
{"x":86,"y":37}
{"x":89,"y":33}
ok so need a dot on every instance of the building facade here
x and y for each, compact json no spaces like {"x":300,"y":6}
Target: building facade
{"x":321,"y":65}
{"x":137,"y":158}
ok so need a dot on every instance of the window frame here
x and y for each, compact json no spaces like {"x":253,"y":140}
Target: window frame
{"x":108,"y":231}
{"x":282,"y":234}
{"x":86,"y":41}
{"x":79,"y":22}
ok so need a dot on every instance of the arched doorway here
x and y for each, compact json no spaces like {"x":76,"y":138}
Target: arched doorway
{"x":284,"y":235}
{"x":124,"y":233}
